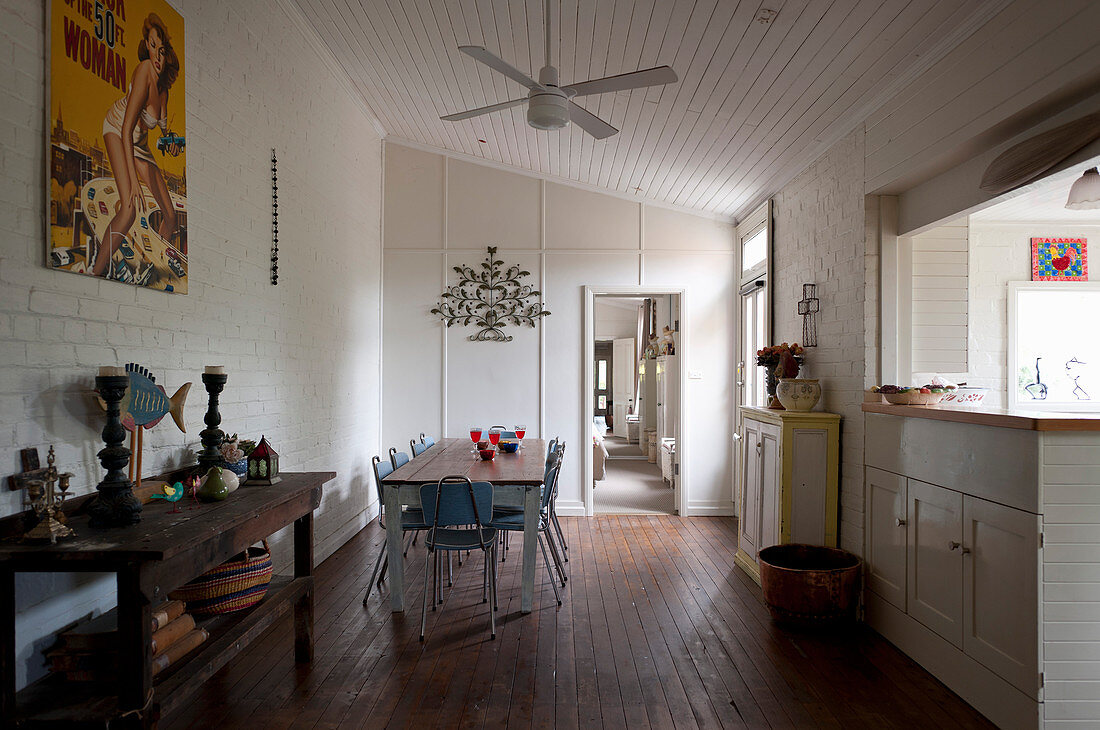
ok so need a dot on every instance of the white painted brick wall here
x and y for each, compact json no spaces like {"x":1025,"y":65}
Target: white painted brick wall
{"x":302,"y":357}
{"x":820,"y":232}
{"x":1000,"y":253}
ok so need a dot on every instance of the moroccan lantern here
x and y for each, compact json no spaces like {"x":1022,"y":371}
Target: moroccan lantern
{"x":263,"y":464}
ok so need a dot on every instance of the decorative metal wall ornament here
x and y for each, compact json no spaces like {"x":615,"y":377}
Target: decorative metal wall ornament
{"x":490,"y":298}
{"x":808,"y":308}
{"x":274,"y":219}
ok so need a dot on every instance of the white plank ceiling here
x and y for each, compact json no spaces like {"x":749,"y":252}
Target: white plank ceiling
{"x":765,"y":85}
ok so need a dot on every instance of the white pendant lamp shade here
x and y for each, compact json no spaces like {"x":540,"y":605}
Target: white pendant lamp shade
{"x":1085,"y":193}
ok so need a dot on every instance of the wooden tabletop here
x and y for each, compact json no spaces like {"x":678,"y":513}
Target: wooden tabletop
{"x":999,"y":417}
{"x":162,"y":533}
{"x":453,"y":456}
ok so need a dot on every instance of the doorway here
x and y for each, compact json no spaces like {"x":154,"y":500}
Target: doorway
{"x":634,"y":412}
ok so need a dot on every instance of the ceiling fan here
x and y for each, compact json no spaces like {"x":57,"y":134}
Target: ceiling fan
{"x":550,"y":106}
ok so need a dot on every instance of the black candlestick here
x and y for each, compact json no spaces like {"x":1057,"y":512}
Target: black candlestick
{"x":115,"y":505}
{"x":212,"y":436}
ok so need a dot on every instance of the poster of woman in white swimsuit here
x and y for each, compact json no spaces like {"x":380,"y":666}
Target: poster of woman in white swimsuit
{"x":118,"y":191}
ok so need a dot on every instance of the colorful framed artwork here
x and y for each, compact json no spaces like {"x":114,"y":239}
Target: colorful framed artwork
{"x":1059,"y":259}
{"x":115,"y":142}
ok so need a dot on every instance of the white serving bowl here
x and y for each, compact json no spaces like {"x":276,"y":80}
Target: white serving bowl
{"x":965,"y":395}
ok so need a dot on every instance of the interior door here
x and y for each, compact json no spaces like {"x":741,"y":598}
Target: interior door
{"x":934,"y":578}
{"x":1000,"y":580}
{"x":886,"y":532}
{"x":751,"y":336}
{"x":622,"y":382}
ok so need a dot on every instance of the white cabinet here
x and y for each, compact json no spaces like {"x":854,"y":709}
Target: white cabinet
{"x":647,"y":393}
{"x":788,"y":482}
{"x":668,"y":397}
{"x":964,"y":567}
{"x":886,"y":535}
{"x":1000,"y":572}
{"x":934,"y":545}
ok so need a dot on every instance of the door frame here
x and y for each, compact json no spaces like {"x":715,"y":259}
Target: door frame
{"x":682,"y":489}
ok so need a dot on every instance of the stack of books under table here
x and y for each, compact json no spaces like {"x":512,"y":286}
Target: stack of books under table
{"x":89,"y":651}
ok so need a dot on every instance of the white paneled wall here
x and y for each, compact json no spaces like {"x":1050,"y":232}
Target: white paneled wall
{"x":437,"y":381}
{"x":1000,"y":253}
{"x":940,"y":279}
{"x":302,"y":359}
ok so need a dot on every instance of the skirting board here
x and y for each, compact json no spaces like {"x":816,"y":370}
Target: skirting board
{"x":1002,"y":703}
{"x":570,"y":508}
{"x":710,"y":508}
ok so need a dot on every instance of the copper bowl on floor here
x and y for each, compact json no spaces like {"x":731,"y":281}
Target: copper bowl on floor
{"x":810,"y":584}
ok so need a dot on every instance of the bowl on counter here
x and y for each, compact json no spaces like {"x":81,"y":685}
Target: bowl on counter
{"x":965,"y":395}
{"x":487,"y":454}
{"x":913,"y":398}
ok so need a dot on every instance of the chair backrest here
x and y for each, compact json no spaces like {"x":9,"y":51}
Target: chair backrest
{"x":398,"y":458}
{"x":550,"y":485}
{"x":428,"y":441}
{"x":417,"y":448}
{"x":381,"y":471}
{"x":551,"y":447}
{"x":455,"y":500}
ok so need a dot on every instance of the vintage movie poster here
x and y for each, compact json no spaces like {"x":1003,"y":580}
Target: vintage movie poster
{"x":117,"y":142}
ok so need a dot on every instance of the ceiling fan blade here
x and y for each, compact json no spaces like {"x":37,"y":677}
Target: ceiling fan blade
{"x":589,"y":122}
{"x":459,"y":116}
{"x":633,"y":80}
{"x":498,"y":64}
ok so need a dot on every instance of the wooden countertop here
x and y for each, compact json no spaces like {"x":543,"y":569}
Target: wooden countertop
{"x":1000,"y":417}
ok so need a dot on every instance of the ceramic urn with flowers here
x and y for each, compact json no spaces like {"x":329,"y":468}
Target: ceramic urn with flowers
{"x":782,"y":362}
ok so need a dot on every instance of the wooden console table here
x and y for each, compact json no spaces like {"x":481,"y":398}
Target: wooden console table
{"x":152,"y":558}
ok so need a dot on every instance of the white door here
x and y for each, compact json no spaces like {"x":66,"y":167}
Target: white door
{"x":770,"y":478}
{"x":622,"y":382}
{"x":749,"y":523}
{"x":752,"y":336}
{"x":1000,"y":580}
{"x":934,"y":579}
{"x":886,"y":528}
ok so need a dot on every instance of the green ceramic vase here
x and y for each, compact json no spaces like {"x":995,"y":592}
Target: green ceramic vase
{"x":214,"y":489}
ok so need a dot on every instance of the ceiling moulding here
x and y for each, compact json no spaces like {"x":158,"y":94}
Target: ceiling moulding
{"x":649,"y":202}
{"x":859,"y":114}
{"x":329,"y":59}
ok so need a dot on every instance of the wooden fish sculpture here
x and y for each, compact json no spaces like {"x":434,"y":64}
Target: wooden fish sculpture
{"x":145,"y":402}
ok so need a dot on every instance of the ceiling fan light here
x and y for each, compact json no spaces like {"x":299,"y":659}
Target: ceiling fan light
{"x":1085,"y":193}
{"x":548,"y":111}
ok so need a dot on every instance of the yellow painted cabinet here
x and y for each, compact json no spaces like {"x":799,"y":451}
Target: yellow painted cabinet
{"x":787,"y":481}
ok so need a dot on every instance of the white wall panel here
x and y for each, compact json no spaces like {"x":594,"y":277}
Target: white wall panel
{"x":476,"y":198}
{"x":667,"y":229}
{"x":414,"y":208}
{"x":578,"y":218}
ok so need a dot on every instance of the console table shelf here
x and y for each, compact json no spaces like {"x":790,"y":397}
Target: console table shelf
{"x":162,"y":552}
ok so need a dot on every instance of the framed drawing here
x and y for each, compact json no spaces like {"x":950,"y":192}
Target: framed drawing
{"x":1059,"y":259}
{"x":116,"y":140}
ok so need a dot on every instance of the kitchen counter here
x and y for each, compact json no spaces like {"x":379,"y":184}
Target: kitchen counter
{"x":1000,"y":417}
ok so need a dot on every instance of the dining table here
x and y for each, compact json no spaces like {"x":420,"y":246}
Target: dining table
{"x":516,"y":480}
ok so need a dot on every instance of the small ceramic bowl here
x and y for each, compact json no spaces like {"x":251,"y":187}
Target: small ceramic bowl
{"x":482,"y":445}
{"x":487,"y":454}
{"x":508,"y":447}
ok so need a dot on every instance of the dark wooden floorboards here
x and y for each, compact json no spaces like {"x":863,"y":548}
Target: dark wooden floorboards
{"x":657,"y":629}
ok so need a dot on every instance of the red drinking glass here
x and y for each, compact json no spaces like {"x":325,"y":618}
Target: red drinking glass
{"x":475,"y":435}
{"x":520,"y":431}
{"x":494,"y":436}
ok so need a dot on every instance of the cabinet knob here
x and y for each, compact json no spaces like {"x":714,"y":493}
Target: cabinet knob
{"x":953,"y":545}
{"x":900,"y":522}
{"x":758,"y":445}
{"x":966,"y":551}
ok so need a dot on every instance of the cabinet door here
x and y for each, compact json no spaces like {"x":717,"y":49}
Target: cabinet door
{"x":1000,"y":590}
{"x":886,"y":531}
{"x":809,"y":477}
{"x":934,"y":579}
{"x":771,"y":476}
{"x":749,"y":522}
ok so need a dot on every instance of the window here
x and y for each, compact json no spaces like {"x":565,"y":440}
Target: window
{"x":601,"y":375}
{"x":754,"y":250}
{"x":754,"y":237}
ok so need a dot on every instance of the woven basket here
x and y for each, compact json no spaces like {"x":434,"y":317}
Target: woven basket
{"x":236,"y":584}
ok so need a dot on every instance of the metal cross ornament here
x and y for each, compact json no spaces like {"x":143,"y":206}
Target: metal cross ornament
{"x":808,"y":308}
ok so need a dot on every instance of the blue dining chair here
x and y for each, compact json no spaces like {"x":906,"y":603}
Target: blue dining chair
{"x":428,"y":441}
{"x":412,"y":521}
{"x":398,"y":458}
{"x":449,"y":506}
{"x":418,"y":448}
{"x":504,"y":432}
{"x":560,"y":451}
{"x":513,"y":522}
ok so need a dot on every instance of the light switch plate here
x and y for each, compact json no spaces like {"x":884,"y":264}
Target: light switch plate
{"x":695,"y":375}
